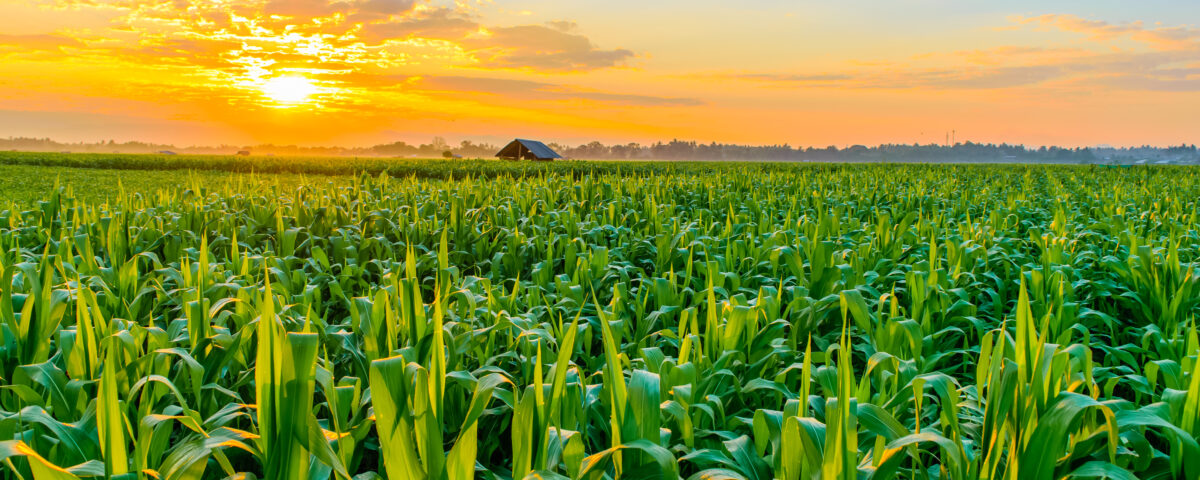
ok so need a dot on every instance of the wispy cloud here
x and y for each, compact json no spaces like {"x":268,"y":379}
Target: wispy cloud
{"x":1158,"y":37}
{"x":541,"y":91}
{"x":540,"y":47}
{"x":363,"y":31}
{"x":1156,"y":66}
{"x":37,"y":43}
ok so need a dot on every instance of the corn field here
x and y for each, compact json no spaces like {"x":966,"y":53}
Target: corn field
{"x":699,"y":322}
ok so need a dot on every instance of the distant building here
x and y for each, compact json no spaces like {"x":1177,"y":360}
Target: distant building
{"x":166,"y":152}
{"x":521,"y":149}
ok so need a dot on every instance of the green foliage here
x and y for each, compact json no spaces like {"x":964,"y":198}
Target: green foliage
{"x":457,"y":319}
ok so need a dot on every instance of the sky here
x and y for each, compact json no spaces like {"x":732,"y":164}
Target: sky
{"x":805,"y":73}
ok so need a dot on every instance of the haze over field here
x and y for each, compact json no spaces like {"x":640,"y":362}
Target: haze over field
{"x":364,"y":72}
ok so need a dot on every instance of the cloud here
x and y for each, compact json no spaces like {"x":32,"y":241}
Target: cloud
{"x":1156,"y":67}
{"x":540,"y":91}
{"x":820,"y":78}
{"x":253,"y":38}
{"x":306,"y":9}
{"x":1171,"y":38}
{"x":545,"y":48}
{"x":988,"y":78}
{"x":39,"y":41}
{"x":563,"y":25}
{"x":1147,"y":83}
{"x":360,"y":79}
{"x":437,"y":24}
{"x":386,"y":7}
{"x":553,"y":47}
{"x":908,"y":78}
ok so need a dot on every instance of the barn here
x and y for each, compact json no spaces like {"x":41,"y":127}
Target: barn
{"x":528,"y":150}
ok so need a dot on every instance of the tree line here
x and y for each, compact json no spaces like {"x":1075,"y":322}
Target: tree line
{"x":672,"y":150}
{"x":959,"y":152}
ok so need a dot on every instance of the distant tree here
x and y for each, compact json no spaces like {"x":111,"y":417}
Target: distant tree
{"x":622,"y":151}
{"x":393,"y":149}
{"x":447,"y":154}
{"x":633,"y":150}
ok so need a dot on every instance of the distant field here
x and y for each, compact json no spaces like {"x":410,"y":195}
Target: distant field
{"x":396,"y":167}
{"x":27,"y":183}
{"x":30,"y":176}
{"x":238,"y":164}
{"x":180,"y":318}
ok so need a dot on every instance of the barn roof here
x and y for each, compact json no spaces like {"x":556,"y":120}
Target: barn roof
{"x":538,"y":149}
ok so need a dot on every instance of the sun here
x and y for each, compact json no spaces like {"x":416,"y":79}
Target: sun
{"x":289,"y":90}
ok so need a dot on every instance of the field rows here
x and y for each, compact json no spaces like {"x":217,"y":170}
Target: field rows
{"x":715,"y":321}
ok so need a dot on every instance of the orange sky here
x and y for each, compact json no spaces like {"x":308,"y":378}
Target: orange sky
{"x":360,"y":72}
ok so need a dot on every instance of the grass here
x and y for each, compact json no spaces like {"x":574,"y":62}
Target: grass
{"x":720,"y":321}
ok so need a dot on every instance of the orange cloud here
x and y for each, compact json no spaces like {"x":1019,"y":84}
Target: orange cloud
{"x":30,"y":45}
{"x":353,"y":48}
{"x":1164,"y":38}
{"x":523,"y":90}
{"x":539,"y":47}
{"x":1006,"y":67}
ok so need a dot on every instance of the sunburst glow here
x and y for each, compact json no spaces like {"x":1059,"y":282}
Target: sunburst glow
{"x":289,"y":91}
